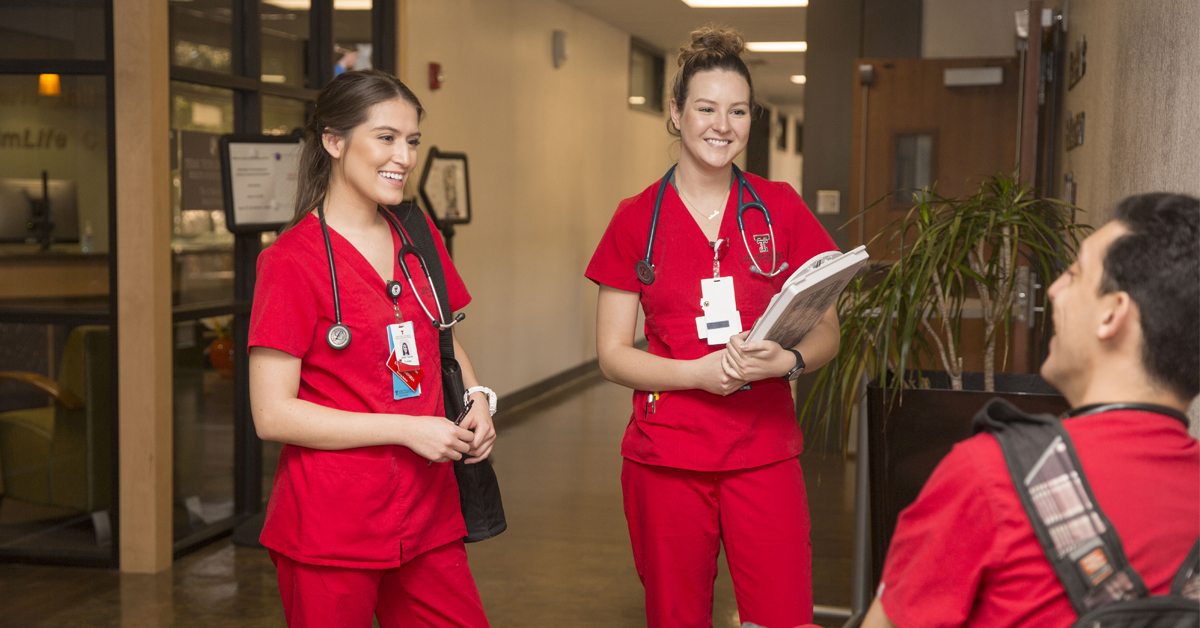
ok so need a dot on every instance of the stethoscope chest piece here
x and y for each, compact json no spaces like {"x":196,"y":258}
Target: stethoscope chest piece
{"x":338,"y":336}
{"x":645,"y":272}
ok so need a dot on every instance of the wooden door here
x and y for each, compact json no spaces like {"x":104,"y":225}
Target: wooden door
{"x":917,"y":131}
{"x":971,"y":131}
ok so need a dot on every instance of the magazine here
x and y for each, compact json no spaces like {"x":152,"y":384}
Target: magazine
{"x":806,"y":296}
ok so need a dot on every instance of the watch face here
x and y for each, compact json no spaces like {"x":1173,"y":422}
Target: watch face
{"x":795,"y":375}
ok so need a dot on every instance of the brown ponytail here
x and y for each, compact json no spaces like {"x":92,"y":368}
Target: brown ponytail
{"x":341,"y":105}
{"x":711,"y":48}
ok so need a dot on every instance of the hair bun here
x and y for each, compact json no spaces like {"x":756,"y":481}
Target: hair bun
{"x":718,"y":41}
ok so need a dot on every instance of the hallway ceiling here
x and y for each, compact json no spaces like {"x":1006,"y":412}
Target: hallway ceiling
{"x":666,"y":24}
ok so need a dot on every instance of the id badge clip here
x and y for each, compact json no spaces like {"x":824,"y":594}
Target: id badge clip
{"x":721,"y":318}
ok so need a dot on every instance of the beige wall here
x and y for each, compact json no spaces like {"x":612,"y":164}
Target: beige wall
{"x":551,"y":153}
{"x":786,"y":165}
{"x":1141,"y":103}
{"x":969,"y":28}
{"x":1140,"y":98}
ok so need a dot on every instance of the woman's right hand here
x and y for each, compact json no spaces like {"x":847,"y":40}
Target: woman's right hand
{"x":436,"y":439}
{"x":713,"y":376}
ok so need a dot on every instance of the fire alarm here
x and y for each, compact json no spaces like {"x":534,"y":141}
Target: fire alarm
{"x":435,"y":76}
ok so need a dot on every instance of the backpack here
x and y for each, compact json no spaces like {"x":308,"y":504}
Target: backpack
{"x":1078,"y":538}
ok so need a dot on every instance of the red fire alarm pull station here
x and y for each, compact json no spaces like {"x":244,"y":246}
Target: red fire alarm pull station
{"x":435,"y":76}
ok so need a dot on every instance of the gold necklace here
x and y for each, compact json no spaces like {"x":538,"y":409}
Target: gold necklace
{"x":692,"y":205}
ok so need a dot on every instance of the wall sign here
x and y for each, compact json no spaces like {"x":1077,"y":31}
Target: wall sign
{"x":200,"y":171}
{"x":1077,"y":63}
{"x":260,"y":180}
{"x":1074,"y":130}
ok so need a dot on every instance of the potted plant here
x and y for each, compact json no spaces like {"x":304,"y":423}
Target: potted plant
{"x":906,"y":316}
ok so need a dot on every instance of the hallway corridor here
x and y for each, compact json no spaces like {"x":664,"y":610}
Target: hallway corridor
{"x":564,"y":561}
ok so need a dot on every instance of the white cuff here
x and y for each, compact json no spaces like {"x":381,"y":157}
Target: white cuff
{"x":485,"y":390}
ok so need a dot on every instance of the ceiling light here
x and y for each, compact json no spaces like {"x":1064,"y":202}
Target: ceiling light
{"x":799,"y":79}
{"x":305,"y":5}
{"x":777,"y":46}
{"x":743,"y":4}
{"x":48,"y":85}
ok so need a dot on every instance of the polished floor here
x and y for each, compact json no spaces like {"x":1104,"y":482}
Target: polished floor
{"x":564,"y":561}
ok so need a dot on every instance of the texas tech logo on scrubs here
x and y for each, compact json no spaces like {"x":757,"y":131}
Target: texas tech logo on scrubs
{"x":763,"y":241}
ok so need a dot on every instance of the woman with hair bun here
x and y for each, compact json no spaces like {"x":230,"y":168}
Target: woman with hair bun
{"x":364,"y":517}
{"x":711,"y":449}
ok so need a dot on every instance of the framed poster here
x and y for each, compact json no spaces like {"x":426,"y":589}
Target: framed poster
{"x":445,"y":187}
{"x":260,"y":179}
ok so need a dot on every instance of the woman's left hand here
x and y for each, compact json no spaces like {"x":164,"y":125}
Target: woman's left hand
{"x":757,"y":360}
{"x":479,"y":421}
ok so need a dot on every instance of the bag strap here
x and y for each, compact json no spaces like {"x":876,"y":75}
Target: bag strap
{"x":417,"y":228}
{"x":1187,"y":579}
{"x":1078,"y":538}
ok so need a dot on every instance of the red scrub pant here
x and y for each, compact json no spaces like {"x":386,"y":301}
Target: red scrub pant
{"x":677,"y":521}
{"x":433,"y":589}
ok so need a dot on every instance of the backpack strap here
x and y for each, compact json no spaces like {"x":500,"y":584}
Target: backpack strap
{"x":1187,"y":579}
{"x":1078,"y":538}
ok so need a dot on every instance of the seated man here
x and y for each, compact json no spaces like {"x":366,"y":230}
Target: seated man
{"x":1127,"y":330}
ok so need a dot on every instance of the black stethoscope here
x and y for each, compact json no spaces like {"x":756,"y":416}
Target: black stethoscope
{"x":339,"y":334}
{"x":645,"y":269}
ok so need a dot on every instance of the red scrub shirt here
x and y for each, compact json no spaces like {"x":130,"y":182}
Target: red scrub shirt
{"x":965,"y":553}
{"x":368,"y":507}
{"x":694,"y":429}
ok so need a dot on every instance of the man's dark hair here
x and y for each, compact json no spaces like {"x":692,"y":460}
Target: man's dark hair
{"x":1158,"y":264}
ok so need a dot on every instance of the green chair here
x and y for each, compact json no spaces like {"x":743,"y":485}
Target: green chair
{"x":61,"y":455}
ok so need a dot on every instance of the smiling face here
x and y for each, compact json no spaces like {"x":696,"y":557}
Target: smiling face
{"x":715,"y":121}
{"x":1083,"y":317}
{"x":373,"y":160}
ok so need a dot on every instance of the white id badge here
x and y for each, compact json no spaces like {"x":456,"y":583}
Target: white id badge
{"x":721,"y":318}
{"x":403,"y":361}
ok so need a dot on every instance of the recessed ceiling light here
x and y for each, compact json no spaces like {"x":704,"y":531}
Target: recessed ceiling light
{"x":305,"y":5}
{"x":743,"y":4}
{"x":799,"y":79}
{"x":777,"y":46}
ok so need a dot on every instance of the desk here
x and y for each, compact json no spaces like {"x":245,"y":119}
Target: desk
{"x":63,"y":271}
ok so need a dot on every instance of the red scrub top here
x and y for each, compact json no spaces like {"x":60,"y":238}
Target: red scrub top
{"x":694,"y":429}
{"x":964,"y":552}
{"x":368,"y":507}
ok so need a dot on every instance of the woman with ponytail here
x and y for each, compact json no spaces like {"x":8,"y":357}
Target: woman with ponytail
{"x":364,"y":518}
{"x":708,"y":461}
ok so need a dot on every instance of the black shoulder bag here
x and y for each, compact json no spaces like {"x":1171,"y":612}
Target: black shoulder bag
{"x":478,"y":489}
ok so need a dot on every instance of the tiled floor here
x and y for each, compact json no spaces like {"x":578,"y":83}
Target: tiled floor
{"x":564,"y":561}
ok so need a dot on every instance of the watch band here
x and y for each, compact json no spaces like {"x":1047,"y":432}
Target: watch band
{"x":797,"y":370}
{"x":485,"y":390}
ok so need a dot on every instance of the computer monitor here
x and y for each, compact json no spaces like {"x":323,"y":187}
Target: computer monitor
{"x":17,"y":209}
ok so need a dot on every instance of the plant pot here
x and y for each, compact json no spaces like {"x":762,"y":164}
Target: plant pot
{"x":908,"y":440}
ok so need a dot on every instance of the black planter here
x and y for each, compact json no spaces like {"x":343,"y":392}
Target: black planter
{"x":908,"y":440}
